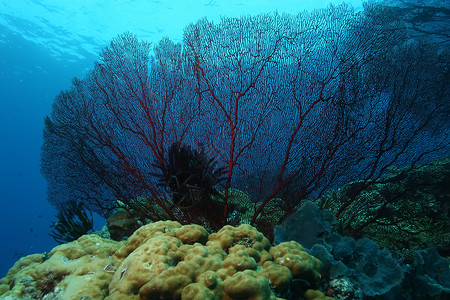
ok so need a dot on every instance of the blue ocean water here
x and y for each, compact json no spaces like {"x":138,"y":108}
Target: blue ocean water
{"x":43,"y":45}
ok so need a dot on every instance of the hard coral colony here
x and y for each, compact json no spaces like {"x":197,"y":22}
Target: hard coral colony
{"x":165,"y":260}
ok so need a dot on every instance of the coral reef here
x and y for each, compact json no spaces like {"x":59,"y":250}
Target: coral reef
{"x":240,"y":205}
{"x":375,"y":271}
{"x":77,"y":270}
{"x":359,"y":269}
{"x":428,"y":277}
{"x":165,"y":260}
{"x":310,"y":224}
{"x":122,"y":224}
{"x":431,"y":271}
{"x":407,"y":210}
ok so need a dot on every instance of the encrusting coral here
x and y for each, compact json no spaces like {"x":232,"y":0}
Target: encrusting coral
{"x":165,"y":260}
{"x":78,"y":269}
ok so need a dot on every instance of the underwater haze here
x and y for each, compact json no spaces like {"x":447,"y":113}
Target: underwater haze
{"x":46,"y":43}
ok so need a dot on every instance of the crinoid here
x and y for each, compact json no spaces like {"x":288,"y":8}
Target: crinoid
{"x":74,"y":220}
{"x":189,"y":176}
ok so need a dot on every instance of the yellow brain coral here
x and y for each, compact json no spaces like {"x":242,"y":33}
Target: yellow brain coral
{"x":165,"y":260}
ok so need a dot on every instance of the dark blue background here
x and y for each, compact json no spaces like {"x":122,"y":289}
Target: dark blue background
{"x":30,"y":78}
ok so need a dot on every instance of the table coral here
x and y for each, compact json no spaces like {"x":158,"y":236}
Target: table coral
{"x":165,"y":260}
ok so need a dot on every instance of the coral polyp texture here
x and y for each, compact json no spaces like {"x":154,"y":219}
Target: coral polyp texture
{"x":165,"y":260}
{"x":78,"y":269}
